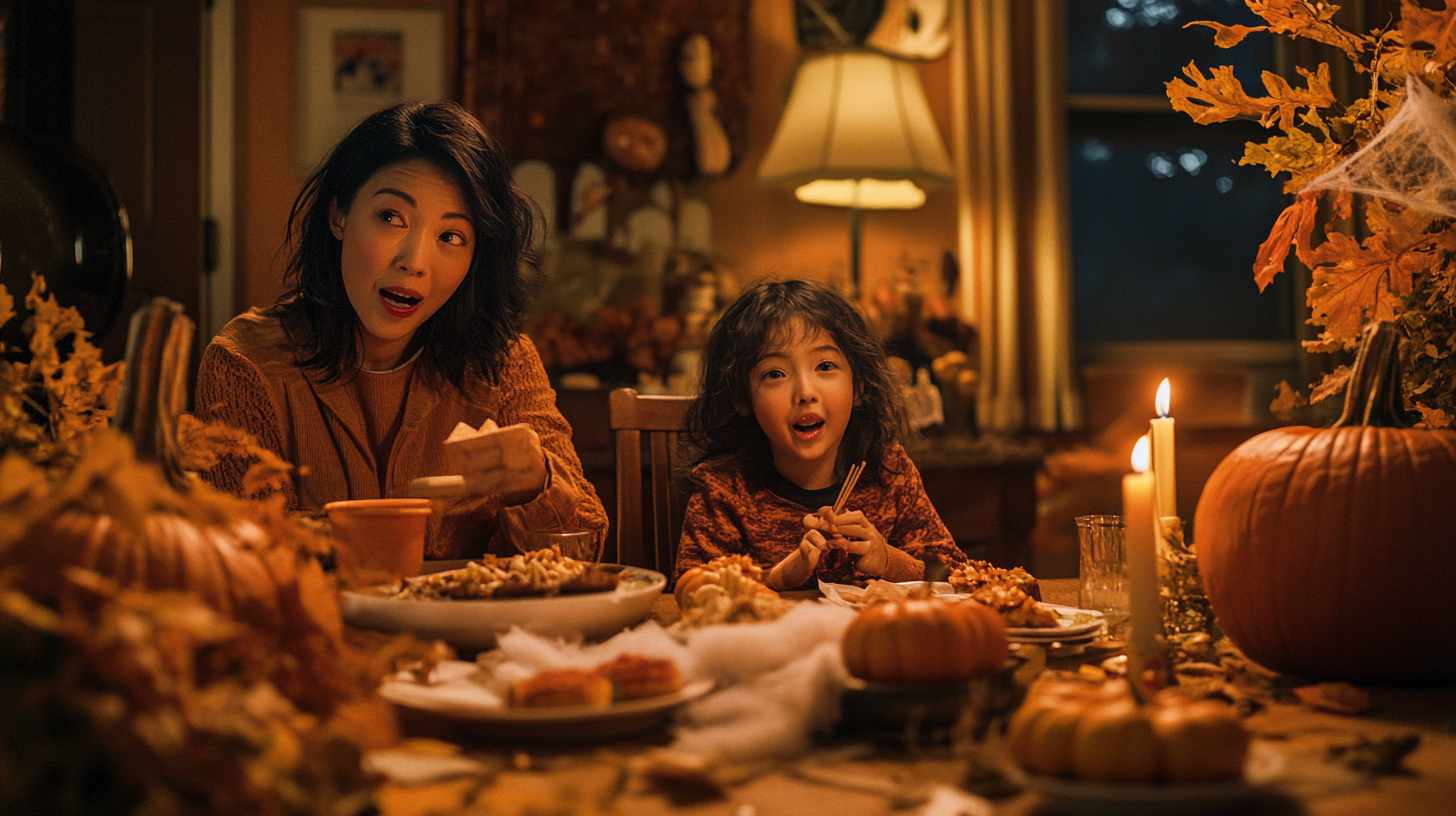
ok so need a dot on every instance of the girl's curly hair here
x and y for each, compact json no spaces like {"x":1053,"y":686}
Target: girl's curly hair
{"x":721,"y":421}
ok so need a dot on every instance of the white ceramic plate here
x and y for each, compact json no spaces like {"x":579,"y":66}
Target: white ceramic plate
{"x":1106,"y":799}
{"x":834,"y":593}
{"x":456,"y":697}
{"x":474,"y":624}
{"x":1067,"y":626}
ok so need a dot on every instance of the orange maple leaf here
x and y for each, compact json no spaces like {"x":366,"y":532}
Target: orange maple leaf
{"x":1436,"y":28}
{"x":1293,"y":228}
{"x":1352,"y":281}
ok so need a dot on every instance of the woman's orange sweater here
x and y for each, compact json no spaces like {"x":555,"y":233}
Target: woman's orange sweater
{"x":249,"y":378}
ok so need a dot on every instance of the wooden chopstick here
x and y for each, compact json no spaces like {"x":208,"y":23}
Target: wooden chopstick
{"x":849,"y":480}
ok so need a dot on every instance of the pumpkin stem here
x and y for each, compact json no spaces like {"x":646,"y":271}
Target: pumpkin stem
{"x":1373,"y":396}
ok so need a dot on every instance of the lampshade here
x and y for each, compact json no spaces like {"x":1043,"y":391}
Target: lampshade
{"x":857,"y":132}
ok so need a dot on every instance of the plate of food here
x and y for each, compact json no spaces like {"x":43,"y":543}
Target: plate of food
{"x":626,"y":695}
{"x":542,"y":592}
{"x":1071,"y":623}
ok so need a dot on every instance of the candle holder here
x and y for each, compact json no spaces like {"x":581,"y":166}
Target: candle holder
{"x":1186,"y":610}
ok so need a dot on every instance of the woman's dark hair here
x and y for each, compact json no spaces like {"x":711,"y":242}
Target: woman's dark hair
{"x":478,"y":324}
{"x":762,"y":318}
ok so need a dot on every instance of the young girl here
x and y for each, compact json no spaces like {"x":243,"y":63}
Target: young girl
{"x":795,"y":391}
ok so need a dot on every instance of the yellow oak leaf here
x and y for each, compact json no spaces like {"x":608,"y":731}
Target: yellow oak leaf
{"x":1333,"y":383}
{"x":1287,"y":100}
{"x":1435,"y":28}
{"x":1293,"y":228}
{"x":1286,"y":400}
{"x":1218,"y":97}
{"x":1301,"y":18}
{"x":7,"y":305}
{"x":1298,"y":153}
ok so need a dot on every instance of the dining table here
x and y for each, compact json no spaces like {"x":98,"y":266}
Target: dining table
{"x":849,"y":777}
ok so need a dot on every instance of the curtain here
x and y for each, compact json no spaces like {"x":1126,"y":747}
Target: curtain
{"x":1009,"y":137}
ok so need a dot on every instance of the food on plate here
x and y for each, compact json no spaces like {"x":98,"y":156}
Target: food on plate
{"x":1018,"y":609}
{"x":713,"y":572}
{"x":625,"y":677}
{"x":925,"y":641}
{"x":555,"y":688}
{"x":974,"y":574}
{"x":540,"y":573}
{"x":877,"y":591}
{"x":1100,"y":733}
{"x":636,"y":677}
{"x":724,"y":592}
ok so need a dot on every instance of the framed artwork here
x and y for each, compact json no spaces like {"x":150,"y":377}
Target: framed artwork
{"x":352,"y":62}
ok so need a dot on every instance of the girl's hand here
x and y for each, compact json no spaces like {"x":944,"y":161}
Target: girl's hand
{"x":858,"y":536}
{"x":797,"y":566}
{"x":508,"y":462}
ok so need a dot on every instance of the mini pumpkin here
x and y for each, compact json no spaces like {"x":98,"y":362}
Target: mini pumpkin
{"x":1323,"y":550}
{"x":1102,"y":734}
{"x":925,"y":641}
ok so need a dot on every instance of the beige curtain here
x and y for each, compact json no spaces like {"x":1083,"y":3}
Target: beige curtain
{"x":1011,"y":160}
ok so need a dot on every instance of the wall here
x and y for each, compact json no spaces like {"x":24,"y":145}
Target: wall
{"x":757,"y":231}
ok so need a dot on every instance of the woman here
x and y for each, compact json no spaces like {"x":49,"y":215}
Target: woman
{"x":408,"y":272}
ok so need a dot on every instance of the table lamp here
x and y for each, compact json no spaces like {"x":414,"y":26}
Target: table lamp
{"x":857,"y":133}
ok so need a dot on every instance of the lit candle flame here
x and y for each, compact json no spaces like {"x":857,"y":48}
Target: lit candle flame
{"x":1141,"y":453}
{"x":1165,"y":395}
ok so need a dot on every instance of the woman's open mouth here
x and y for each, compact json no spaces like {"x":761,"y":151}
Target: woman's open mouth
{"x":399,"y":302}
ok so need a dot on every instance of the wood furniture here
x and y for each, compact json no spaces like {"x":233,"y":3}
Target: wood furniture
{"x":985,"y":492}
{"x":658,"y":421}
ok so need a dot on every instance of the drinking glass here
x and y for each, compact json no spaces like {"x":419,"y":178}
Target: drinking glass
{"x":1104,"y":565}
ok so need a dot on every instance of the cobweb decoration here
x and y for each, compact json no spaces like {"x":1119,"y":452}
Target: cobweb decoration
{"x":1411,"y":161}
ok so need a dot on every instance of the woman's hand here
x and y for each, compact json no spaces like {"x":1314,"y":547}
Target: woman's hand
{"x":855,"y":534}
{"x":508,"y":462}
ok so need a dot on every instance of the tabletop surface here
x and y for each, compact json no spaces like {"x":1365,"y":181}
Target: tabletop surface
{"x":848,"y":780}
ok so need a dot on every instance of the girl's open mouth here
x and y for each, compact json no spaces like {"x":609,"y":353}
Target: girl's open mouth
{"x":398,"y":303}
{"x":810,"y":429}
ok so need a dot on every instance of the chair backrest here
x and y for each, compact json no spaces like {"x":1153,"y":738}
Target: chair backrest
{"x":663,"y":419}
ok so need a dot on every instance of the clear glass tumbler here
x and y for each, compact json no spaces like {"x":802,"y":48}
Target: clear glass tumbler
{"x":1104,"y":566}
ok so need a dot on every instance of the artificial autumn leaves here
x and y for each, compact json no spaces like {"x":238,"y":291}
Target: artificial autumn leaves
{"x":1403,"y":269}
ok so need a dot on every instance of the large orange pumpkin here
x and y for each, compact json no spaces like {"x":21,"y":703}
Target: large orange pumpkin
{"x":1328,"y":552}
{"x":925,"y":641}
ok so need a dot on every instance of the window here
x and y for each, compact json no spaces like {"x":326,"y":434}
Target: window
{"x":1165,"y":223}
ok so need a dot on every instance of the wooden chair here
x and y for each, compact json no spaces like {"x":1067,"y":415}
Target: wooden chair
{"x":663,"y":419}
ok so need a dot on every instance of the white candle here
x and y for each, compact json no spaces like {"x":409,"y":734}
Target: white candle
{"x":1139,"y":535}
{"x":1167,"y":491}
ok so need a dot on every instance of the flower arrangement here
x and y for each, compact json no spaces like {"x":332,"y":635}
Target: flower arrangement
{"x":1400,"y":267}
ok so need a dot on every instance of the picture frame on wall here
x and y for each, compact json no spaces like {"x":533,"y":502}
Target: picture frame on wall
{"x":351,"y":62}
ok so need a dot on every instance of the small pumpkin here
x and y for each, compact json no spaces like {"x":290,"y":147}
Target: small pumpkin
{"x":925,"y":641}
{"x":1323,"y":551}
{"x":1102,"y":734}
